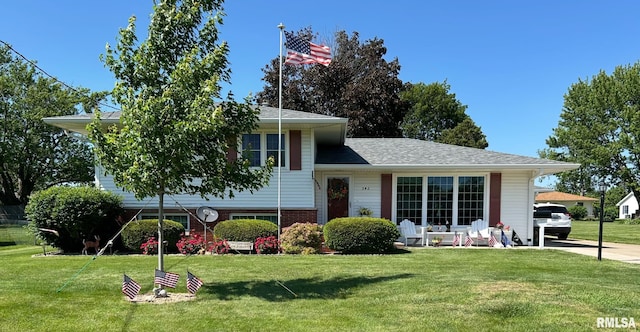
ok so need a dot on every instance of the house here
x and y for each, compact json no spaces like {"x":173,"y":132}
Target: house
{"x":567,"y":200}
{"x":327,"y":175}
{"x":628,"y":207}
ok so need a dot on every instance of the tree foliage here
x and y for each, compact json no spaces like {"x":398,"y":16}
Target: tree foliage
{"x":33,"y":154}
{"x":436,"y":115}
{"x":599,"y":128}
{"x":174,"y":136}
{"x":359,"y":84}
{"x":466,"y":133}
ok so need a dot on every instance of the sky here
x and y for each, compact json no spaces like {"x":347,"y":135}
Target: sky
{"x":510,"y":62}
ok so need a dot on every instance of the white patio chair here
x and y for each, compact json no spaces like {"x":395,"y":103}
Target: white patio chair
{"x":479,"y":231}
{"x":408,"y":232}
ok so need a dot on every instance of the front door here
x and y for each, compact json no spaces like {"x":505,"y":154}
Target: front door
{"x":337,"y":197}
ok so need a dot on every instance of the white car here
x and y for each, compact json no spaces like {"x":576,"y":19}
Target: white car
{"x":555,"y":218}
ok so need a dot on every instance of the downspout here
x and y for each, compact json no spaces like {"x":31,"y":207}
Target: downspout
{"x":531,"y":201}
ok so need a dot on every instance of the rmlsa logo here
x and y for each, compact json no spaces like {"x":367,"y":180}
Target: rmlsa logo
{"x":616,"y":322}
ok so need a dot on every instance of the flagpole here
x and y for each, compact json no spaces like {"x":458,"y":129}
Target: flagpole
{"x":281,"y":27}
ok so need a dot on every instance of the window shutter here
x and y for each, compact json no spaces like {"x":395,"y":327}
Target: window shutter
{"x":295,"y":151}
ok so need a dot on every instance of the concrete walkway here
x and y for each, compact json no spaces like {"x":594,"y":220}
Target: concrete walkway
{"x":628,"y":253}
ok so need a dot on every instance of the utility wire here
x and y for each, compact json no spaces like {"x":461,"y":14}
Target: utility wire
{"x":50,"y":76}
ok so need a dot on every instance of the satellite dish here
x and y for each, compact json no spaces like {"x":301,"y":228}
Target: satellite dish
{"x":207,"y":214}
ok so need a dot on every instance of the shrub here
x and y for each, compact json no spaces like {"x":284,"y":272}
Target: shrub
{"x":139,"y":232}
{"x":191,"y":245}
{"x":247,"y":230}
{"x":361,"y":235}
{"x":267,"y":245}
{"x":75,"y":213}
{"x":302,"y":237}
{"x":578,"y":212}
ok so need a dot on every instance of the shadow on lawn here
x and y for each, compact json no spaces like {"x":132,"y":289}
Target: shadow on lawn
{"x":272,"y":290}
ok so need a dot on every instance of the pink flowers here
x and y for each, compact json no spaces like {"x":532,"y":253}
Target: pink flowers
{"x":150,"y":247}
{"x":194,"y":244}
{"x":267,"y":245}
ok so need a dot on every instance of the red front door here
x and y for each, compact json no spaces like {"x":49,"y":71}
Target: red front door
{"x":337,"y":197}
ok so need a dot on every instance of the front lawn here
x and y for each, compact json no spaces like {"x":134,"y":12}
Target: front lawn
{"x":611,"y":232}
{"x":443,"y":289}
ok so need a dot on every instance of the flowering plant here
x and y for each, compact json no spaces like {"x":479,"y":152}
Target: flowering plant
{"x":150,"y":247}
{"x":220,"y":247}
{"x":267,"y":245}
{"x":500,"y":225}
{"x":191,"y":245}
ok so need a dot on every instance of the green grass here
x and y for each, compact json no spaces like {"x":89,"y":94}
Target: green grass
{"x":611,"y":232}
{"x":440,"y":289}
{"x":12,"y":234}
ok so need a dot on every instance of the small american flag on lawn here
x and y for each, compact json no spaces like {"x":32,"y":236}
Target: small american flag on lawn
{"x":300,"y":52}
{"x":468,"y":241}
{"x":166,"y":278}
{"x":193,"y":283}
{"x":456,"y":240}
{"x":480,"y":238}
{"x":130,"y":288}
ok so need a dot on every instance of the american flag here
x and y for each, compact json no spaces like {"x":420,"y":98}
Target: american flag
{"x":492,"y":241}
{"x":130,"y":288}
{"x":480,"y":238}
{"x":166,"y":278}
{"x":300,"y":52}
{"x":468,"y":241}
{"x":193,"y":283}
{"x":456,"y":240}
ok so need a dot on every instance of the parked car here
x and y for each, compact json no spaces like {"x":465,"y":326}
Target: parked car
{"x":555,"y":218}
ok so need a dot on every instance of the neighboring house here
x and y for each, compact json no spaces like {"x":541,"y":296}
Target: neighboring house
{"x":327,"y":175}
{"x":628,"y":207}
{"x":567,"y":200}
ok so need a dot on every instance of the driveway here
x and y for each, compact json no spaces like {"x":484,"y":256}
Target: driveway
{"x":628,"y":253}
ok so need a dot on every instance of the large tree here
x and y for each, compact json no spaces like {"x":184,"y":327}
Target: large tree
{"x":435,"y":113}
{"x":174,"y":135}
{"x":34,"y":155}
{"x":359,"y":84}
{"x":599,"y":128}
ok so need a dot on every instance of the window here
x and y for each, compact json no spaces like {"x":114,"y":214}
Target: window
{"x":270,"y":217}
{"x":440,"y":200}
{"x":181,"y":218}
{"x":257,"y":153}
{"x":409,"y":199}
{"x":625,"y":209}
{"x":470,"y":199}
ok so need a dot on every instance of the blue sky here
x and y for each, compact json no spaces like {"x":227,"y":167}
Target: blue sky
{"x":510,"y":62}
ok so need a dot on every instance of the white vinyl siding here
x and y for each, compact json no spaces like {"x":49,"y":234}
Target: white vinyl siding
{"x":297,"y":189}
{"x":516,"y":206}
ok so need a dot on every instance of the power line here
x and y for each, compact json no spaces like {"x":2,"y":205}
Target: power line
{"x":50,"y":76}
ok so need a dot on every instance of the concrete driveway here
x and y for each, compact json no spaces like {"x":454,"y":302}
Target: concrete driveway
{"x":628,"y":253}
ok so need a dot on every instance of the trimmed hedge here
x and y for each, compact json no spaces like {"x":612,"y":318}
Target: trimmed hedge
{"x":247,"y":230}
{"x":74,"y":213}
{"x":139,"y":231}
{"x":361,"y":235}
{"x":302,"y":238}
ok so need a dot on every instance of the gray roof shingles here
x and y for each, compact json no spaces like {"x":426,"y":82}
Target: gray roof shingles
{"x":413,"y":152}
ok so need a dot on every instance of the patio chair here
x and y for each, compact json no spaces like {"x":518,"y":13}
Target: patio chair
{"x":479,"y":231}
{"x":408,"y":232}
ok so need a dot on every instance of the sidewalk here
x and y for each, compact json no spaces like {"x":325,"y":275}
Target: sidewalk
{"x":628,"y":253}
